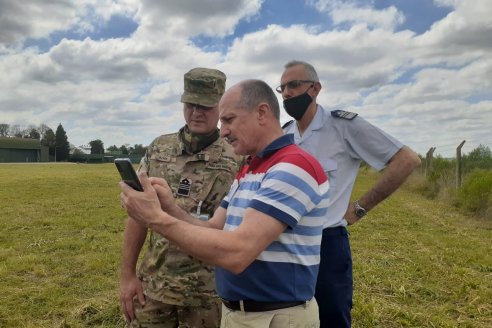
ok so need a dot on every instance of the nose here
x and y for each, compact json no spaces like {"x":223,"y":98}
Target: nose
{"x":224,"y":132}
{"x":286,"y":93}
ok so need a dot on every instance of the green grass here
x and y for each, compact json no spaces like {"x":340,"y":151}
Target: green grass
{"x":417,"y":263}
{"x":60,"y":244}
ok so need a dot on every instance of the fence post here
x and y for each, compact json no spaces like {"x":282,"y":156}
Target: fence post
{"x":458,"y":164}
{"x":428,"y":160}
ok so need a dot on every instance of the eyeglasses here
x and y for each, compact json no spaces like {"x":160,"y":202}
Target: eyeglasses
{"x":190,"y":106}
{"x":292,"y":85}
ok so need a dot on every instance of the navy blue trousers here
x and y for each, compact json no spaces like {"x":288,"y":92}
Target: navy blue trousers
{"x":334,"y":288}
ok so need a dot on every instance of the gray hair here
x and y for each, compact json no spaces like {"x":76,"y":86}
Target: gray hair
{"x":308,"y":68}
{"x":254,"y":92}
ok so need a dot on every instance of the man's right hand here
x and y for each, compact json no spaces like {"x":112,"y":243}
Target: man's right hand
{"x":130,"y":288}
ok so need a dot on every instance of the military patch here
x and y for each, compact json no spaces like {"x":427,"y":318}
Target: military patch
{"x":202,"y":157}
{"x":163,"y":157}
{"x":184,"y":187}
{"x":343,"y":114}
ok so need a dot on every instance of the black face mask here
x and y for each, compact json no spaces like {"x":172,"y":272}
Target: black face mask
{"x":298,"y":105}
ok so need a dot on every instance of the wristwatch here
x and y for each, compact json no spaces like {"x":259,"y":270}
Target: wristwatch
{"x":359,"y":210}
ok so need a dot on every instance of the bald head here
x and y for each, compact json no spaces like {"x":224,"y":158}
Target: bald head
{"x":254,"y":92}
{"x":250,"y":116}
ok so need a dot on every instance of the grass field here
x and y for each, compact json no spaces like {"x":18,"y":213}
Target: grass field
{"x":417,"y":263}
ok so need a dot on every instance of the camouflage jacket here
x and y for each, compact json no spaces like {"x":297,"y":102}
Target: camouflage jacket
{"x":199,"y":182}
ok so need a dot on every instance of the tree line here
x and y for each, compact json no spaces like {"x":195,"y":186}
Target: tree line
{"x":57,"y":142}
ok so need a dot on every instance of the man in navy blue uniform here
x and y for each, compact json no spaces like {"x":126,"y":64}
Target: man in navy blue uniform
{"x":340,"y":140}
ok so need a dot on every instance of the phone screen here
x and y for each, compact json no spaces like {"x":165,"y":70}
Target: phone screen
{"x":127,"y":173}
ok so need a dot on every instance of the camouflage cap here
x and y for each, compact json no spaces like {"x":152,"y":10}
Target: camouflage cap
{"x":203,"y":86}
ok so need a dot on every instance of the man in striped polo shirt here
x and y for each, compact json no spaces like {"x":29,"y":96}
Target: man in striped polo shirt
{"x":267,"y":231}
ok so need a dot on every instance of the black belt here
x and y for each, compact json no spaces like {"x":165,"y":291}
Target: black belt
{"x":335,"y":231}
{"x":253,"y":306}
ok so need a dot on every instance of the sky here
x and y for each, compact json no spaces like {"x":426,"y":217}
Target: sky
{"x":420,"y":70}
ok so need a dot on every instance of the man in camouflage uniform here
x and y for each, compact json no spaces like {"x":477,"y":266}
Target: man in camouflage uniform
{"x":199,"y":167}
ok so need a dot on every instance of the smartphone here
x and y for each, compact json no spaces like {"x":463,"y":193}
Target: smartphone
{"x":127,"y":172}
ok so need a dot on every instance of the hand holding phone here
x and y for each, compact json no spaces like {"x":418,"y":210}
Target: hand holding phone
{"x":127,"y":173}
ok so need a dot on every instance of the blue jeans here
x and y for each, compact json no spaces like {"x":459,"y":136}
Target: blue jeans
{"x":334,"y":288}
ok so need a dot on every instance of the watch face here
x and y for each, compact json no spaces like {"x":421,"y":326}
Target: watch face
{"x":359,"y":210}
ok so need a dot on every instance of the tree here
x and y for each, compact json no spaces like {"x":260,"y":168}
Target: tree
{"x":62,"y":146}
{"x":124,"y":150}
{"x":112,"y":148}
{"x":16,"y":131}
{"x":49,"y":139}
{"x":480,"y":157}
{"x":480,"y":153}
{"x":97,"y":146}
{"x":4,"y":130}
{"x":42,"y":129}
{"x":34,"y":134}
{"x":138,"y":149}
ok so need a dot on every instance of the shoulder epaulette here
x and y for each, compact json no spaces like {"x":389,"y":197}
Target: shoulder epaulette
{"x":343,"y":114}
{"x":287,"y":124}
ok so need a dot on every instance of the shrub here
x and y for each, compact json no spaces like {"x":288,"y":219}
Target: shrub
{"x":417,"y":182}
{"x":440,"y":177}
{"x":480,"y":157}
{"x":476,"y":193}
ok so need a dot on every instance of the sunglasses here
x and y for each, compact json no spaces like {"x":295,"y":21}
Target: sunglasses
{"x":191,"y":106}
{"x":292,"y":85}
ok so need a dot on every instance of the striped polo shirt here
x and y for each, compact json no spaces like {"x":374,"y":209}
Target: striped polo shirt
{"x":286,"y":183}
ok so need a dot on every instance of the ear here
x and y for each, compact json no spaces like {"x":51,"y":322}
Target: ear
{"x":316,"y":88}
{"x":263,"y":110}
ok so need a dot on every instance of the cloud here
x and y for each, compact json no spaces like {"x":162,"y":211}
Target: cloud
{"x":438,"y":83}
{"x":34,"y":19}
{"x":353,"y":59}
{"x":447,"y":3}
{"x":358,"y":12}
{"x":428,"y":90}
{"x":462,"y":36}
{"x":388,"y":18}
{"x":37,"y":19}
{"x":184,"y":18}
{"x":448,"y":71}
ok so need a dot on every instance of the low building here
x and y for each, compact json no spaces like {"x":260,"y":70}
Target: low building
{"x":86,"y":149}
{"x":15,"y":150}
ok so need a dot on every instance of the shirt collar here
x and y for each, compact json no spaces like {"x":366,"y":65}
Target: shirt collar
{"x":277,"y":144}
{"x":318,"y":122}
{"x":319,"y":118}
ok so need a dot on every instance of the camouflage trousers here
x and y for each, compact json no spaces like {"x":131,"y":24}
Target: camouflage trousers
{"x":155,"y":314}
